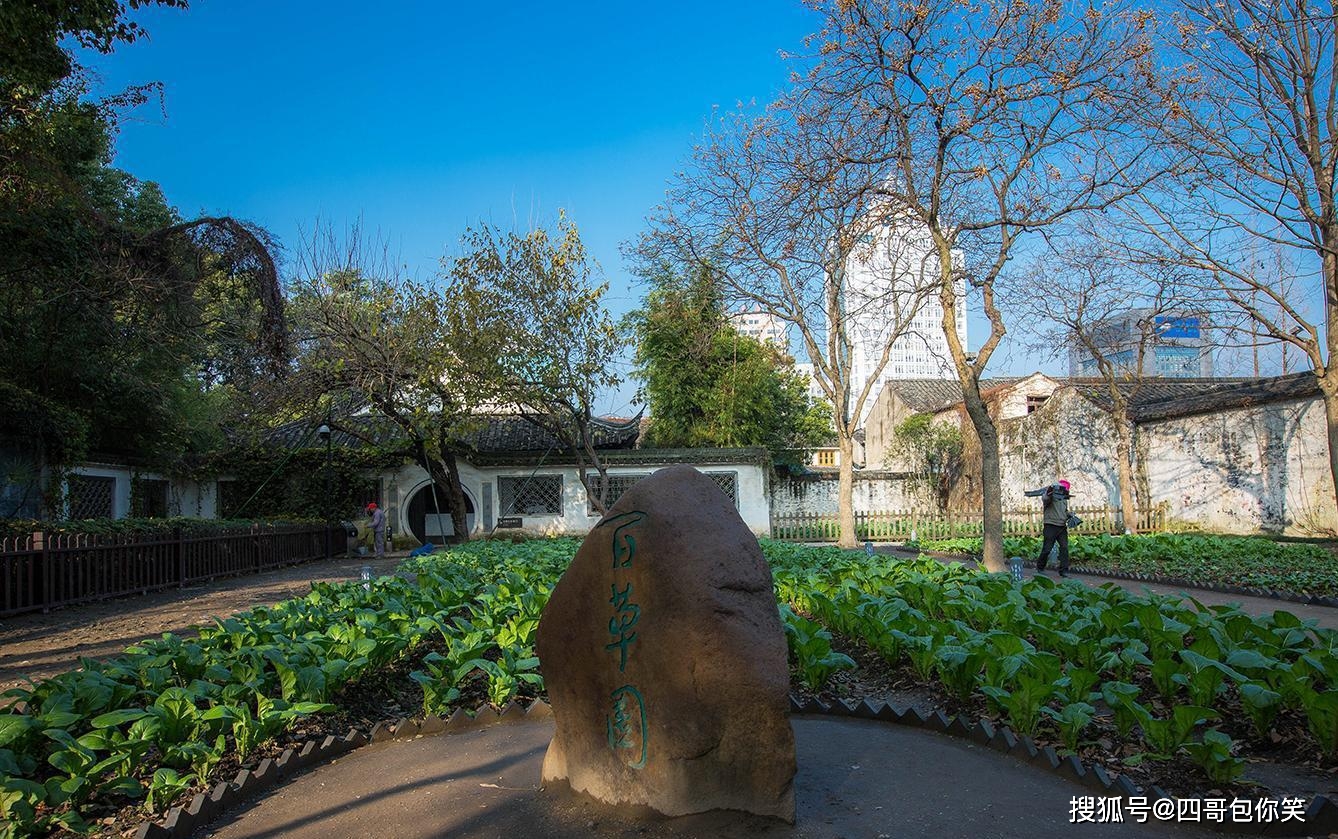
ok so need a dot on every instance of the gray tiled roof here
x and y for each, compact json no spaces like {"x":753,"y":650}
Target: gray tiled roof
{"x":492,"y":434}
{"x":630,"y":457}
{"x":1240,"y":393}
{"x":1149,"y":391}
{"x":1150,"y":399}
{"x":932,"y":394}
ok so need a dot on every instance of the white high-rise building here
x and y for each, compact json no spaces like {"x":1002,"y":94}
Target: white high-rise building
{"x":882,"y":276}
{"x":761,"y":326}
{"x":805,"y":369}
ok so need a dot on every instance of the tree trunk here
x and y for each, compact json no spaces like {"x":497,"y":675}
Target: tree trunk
{"x":1124,"y":454}
{"x":845,"y":495}
{"x":1329,"y":388}
{"x":1328,"y":380}
{"x":456,"y":494}
{"x":587,"y":456}
{"x":991,"y":489}
{"x":445,"y":473}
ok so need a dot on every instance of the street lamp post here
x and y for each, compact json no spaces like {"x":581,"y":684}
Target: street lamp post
{"x":324,"y":433}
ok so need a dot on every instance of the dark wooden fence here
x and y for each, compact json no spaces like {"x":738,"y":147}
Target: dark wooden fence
{"x":46,"y":570}
{"x":903,"y":525}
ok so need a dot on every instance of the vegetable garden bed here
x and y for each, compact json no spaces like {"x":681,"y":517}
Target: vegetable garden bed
{"x":1247,"y":561}
{"x":1149,"y":686}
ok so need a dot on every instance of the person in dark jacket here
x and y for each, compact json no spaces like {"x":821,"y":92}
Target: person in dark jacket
{"x":1056,"y":500}
{"x":378,"y":529}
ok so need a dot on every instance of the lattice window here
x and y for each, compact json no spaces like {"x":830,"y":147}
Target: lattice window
{"x":91,"y":496}
{"x":148,"y":498}
{"x":825,"y":457}
{"x":728,"y":482}
{"x":618,"y":484}
{"x":537,"y":495}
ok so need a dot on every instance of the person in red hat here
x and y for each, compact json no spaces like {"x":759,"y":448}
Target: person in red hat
{"x":378,"y":529}
{"x":1056,"y":520}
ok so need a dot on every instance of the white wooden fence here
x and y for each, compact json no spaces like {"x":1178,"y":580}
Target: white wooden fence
{"x":903,"y":525}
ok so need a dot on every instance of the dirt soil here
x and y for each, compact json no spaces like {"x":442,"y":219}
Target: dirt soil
{"x":40,"y":645}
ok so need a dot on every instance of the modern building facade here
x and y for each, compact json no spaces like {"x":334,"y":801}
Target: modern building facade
{"x":1174,"y":345}
{"x":761,"y":326}
{"x":810,"y":376}
{"x":894,"y":276}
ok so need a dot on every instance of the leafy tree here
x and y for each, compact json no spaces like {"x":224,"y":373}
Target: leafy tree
{"x":514,"y":324}
{"x":104,"y":288}
{"x":31,"y":36}
{"x":530,"y":320}
{"x":109,"y":298}
{"x":708,"y":386}
{"x":368,"y":338}
{"x":934,"y":453}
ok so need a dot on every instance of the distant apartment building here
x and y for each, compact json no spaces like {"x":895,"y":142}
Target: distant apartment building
{"x":897,"y":260}
{"x":1174,"y":345}
{"x":761,"y":326}
{"x":810,"y":376}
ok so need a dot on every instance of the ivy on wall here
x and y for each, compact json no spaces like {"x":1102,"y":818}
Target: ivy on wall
{"x":264,"y":482}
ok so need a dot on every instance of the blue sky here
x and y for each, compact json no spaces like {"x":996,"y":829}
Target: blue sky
{"x":423,"y":118}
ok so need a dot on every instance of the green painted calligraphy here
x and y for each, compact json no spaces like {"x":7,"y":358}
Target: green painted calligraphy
{"x":626,"y":725}
{"x":620,"y":625}
{"x":624,"y":550}
{"x":627,"y":731}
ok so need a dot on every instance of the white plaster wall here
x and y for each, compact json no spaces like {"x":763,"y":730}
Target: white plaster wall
{"x":400,"y":486}
{"x":1067,"y":437}
{"x":184,"y":497}
{"x":1263,"y":467}
{"x":197,"y":499}
{"x":575,"y":519}
{"x":877,"y":492}
{"x":1013,"y":403}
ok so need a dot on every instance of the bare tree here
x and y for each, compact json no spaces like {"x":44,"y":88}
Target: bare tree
{"x":1259,"y":131}
{"x":1088,"y":298}
{"x":986,"y":124}
{"x":779,"y":210}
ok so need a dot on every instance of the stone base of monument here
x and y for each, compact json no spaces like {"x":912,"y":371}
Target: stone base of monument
{"x":665,"y":660}
{"x":564,"y":805}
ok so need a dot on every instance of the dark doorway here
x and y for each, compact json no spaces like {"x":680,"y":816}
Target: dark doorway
{"x":431,"y":524}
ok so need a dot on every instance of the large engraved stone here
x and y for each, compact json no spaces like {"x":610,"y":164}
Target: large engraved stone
{"x":665,"y":659}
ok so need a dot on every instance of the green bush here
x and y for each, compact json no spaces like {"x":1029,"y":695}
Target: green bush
{"x":137,"y":526}
{"x":161,"y":718}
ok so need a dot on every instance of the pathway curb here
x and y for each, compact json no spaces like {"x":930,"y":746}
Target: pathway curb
{"x":181,"y":822}
{"x":1321,"y":815}
{"x":1157,"y":579}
